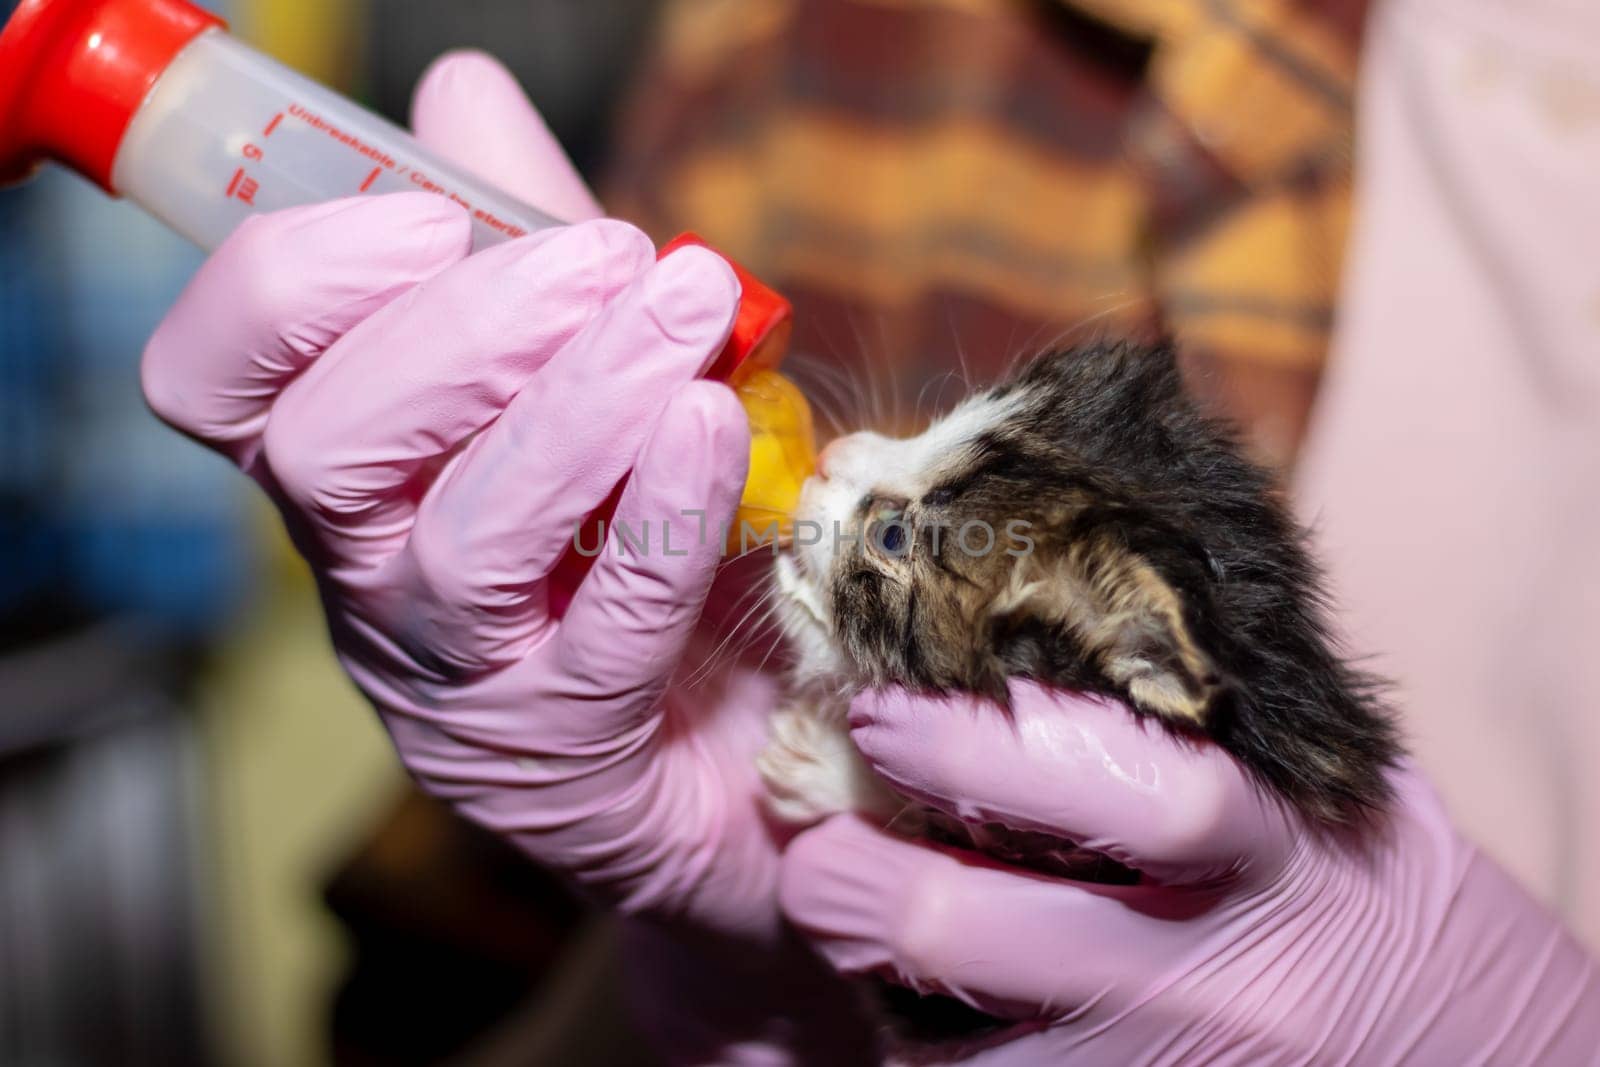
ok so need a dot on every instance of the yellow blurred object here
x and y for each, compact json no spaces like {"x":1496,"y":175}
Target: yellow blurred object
{"x":299,"y":770}
{"x":783,"y":453}
{"x":322,"y":38}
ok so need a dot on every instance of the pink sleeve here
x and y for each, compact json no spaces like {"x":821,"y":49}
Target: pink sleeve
{"x":1453,"y":468}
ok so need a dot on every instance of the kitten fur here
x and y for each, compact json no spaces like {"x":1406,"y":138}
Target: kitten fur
{"x":1153,"y":563}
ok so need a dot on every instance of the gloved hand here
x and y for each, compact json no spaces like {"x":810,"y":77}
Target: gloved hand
{"x":431,"y":427}
{"x":1254,"y":940}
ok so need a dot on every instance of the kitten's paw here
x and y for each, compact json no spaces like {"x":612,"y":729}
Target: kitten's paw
{"x":811,"y":770}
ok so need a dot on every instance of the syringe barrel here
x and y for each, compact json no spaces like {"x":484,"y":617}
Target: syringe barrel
{"x":151,"y":99}
{"x":226,"y":132}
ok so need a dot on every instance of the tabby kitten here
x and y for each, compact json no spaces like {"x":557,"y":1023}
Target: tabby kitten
{"x":1083,"y":525}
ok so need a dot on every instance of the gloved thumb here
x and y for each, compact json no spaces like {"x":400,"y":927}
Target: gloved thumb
{"x":1079,"y":768}
{"x":470,"y":108}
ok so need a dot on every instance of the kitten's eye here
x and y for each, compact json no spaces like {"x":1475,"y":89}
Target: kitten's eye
{"x":887,"y":531}
{"x":893,"y":538}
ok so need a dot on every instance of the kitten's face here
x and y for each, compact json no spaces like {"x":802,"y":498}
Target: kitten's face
{"x":895,"y":553}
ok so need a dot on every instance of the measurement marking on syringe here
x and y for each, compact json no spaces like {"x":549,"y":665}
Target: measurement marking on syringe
{"x":243,"y":187}
{"x":272,"y":125}
{"x":371,"y":178}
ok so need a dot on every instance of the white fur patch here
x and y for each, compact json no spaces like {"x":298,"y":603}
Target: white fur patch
{"x":812,"y":770}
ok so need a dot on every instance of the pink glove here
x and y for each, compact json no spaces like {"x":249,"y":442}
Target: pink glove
{"x":1255,"y":942}
{"x":431,"y":427}
{"x":341,"y":355}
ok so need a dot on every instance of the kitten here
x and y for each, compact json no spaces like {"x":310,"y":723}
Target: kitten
{"x":1085,"y":526}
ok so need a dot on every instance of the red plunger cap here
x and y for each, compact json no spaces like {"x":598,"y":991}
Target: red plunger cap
{"x":74,"y":72}
{"x":760,"y":328}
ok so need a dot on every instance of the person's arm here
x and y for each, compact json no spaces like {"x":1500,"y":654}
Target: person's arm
{"x":1450,"y":474}
{"x":1252,"y":940}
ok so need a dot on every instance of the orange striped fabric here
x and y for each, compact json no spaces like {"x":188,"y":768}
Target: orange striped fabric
{"x":958,"y":182}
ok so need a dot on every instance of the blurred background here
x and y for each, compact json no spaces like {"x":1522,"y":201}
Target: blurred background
{"x":208,"y":854}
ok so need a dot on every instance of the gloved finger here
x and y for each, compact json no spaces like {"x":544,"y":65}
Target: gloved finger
{"x":598,"y":675}
{"x":497,"y":521}
{"x":470,"y":108}
{"x":1078,"y":767}
{"x":633,"y":616}
{"x":275,"y":295}
{"x":348,"y":439}
{"x":1006,"y":942}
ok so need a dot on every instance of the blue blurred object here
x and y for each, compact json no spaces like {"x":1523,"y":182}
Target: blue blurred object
{"x":106,"y":511}
{"x":27,"y":411}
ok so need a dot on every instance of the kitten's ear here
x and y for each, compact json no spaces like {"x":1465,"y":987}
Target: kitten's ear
{"x":1108,"y":608}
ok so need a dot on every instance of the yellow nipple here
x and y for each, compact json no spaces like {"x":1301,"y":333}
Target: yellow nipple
{"x":783,"y":454}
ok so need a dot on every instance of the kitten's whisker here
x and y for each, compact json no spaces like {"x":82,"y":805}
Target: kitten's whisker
{"x":1010,"y":349}
{"x":941,"y":381}
{"x":1016,"y":355}
{"x":824,"y":411}
{"x":1111,"y":309}
{"x":715,"y":657}
{"x":961,"y":352}
{"x":753,"y":590}
{"x":765,"y":627}
{"x":1030,"y":350}
{"x":760,"y":544}
{"x":867,"y":360}
{"x":889,"y":358}
{"x":874,"y":369}
{"x":731,"y":631}
{"x":843,"y":378}
{"x":828,"y":393}
{"x":906,"y":809}
{"x":775,"y":639}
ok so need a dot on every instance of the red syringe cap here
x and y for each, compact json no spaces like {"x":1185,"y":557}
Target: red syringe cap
{"x":760,"y":327}
{"x":74,"y":72}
